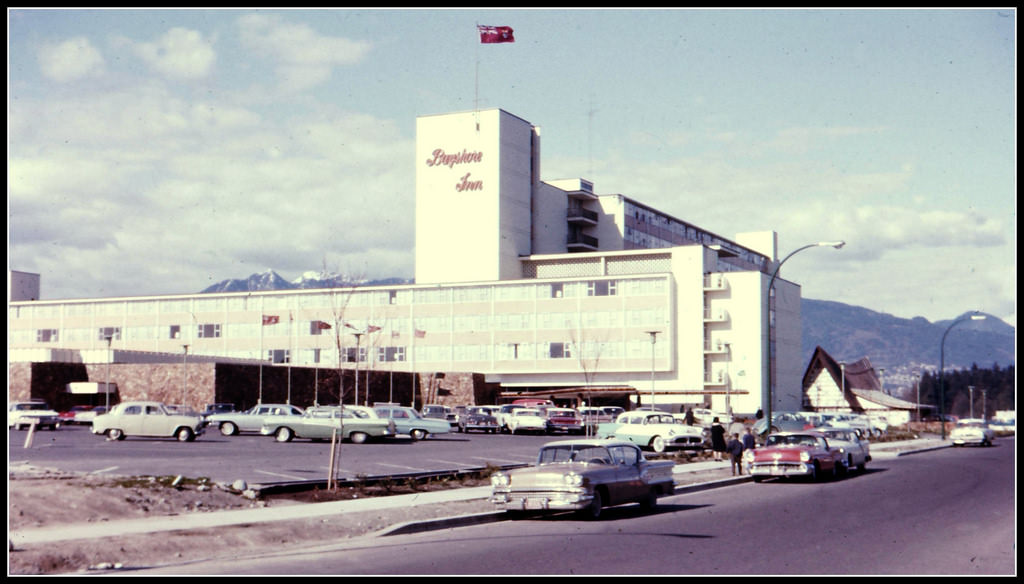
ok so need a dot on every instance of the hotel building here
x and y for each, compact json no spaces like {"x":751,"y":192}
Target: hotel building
{"x":538,"y":285}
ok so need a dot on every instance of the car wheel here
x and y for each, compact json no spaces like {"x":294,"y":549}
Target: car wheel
{"x":284,"y":434}
{"x":417,"y":435}
{"x":658,"y":444}
{"x":593,"y":511}
{"x":228,"y":429}
{"x":115,"y":434}
{"x":650,"y":500}
{"x":185,"y":435}
{"x":813,"y":477}
{"x":358,"y":437}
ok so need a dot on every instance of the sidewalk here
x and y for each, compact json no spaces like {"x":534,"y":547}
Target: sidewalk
{"x":312,"y":510}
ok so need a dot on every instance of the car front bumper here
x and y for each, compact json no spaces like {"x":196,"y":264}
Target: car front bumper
{"x":560,"y":500}
{"x":789,"y":469}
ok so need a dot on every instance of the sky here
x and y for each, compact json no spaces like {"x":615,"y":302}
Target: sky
{"x":161,"y":151}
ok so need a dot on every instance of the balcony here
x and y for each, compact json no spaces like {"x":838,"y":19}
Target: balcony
{"x":715,"y":282}
{"x":716,"y":315}
{"x":581,"y":242}
{"x":577,"y":215}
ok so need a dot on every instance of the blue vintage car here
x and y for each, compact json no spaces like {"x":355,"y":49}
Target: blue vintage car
{"x":409,"y":421}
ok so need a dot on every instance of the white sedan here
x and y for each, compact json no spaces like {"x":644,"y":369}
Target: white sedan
{"x":972,"y":431}
{"x":528,"y":420}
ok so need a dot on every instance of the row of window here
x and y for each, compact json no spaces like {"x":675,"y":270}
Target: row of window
{"x":394,"y":328}
{"x":589,"y":351}
{"x":348,"y":297}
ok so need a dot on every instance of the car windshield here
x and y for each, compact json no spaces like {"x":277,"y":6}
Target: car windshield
{"x":792,"y":440}
{"x":574,"y":453}
{"x":33,"y":406}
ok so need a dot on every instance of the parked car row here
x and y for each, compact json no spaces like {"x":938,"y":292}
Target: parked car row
{"x":867,"y":425}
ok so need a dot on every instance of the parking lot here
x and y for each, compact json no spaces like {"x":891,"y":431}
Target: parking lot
{"x":261,"y":460}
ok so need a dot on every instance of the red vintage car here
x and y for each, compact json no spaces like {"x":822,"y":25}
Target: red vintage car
{"x":788,"y":454}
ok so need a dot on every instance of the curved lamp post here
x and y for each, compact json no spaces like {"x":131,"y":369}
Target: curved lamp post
{"x":975,"y":315}
{"x":767,"y":395}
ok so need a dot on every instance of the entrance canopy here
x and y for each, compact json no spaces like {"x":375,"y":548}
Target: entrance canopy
{"x":91,"y":387}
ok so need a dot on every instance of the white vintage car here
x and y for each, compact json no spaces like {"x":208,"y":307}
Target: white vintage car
{"x":583,"y":475}
{"x":972,"y":431}
{"x":654,"y":430}
{"x":147,"y":418}
{"x":527,"y":420}
{"x":856,"y":453}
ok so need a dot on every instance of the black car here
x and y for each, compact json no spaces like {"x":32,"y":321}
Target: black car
{"x":478,"y":418}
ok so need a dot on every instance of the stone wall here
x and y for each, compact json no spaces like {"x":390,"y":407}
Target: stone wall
{"x":241,"y":385}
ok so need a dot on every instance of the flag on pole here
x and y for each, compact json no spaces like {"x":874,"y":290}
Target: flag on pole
{"x":322,"y":325}
{"x":349,"y":325}
{"x":270,"y":319}
{"x":495,"y":34}
{"x":420,"y":334}
{"x":372,"y":329}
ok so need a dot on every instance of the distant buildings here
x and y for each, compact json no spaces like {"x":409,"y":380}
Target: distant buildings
{"x":538,"y":285}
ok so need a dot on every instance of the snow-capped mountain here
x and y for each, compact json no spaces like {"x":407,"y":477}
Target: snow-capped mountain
{"x":271,"y":280}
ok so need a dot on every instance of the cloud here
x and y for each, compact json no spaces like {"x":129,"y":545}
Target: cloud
{"x":70,"y":60}
{"x":303,"y":58}
{"x":179,"y":54}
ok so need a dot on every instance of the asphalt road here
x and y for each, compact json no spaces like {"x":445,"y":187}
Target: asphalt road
{"x":946,"y":512}
{"x":261,"y":460}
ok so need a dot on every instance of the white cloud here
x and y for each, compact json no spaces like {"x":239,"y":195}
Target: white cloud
{"x":179,"y":54}
{"x":303,"y":57}
{"x":70,"y":60}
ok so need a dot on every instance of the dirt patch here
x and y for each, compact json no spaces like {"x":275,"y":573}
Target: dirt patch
{"x":39,"y":498}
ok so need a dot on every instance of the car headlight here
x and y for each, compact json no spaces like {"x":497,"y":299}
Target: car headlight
{"x":500,"y":479}
{"x":805,"y":456}
{"x":572,"y":479}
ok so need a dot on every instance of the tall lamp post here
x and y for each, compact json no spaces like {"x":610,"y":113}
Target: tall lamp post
{"x":975,"y":315}
{"x":358,"y":337}
{"x":184,"y":385}
{"x":767,"y":394}
{"x":654,"y":339}
{"x":110,"y":357}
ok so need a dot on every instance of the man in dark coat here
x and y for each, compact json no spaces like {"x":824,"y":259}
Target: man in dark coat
{"x":735,"y":450}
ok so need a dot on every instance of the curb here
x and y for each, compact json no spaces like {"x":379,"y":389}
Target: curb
{"x":928,"y":449}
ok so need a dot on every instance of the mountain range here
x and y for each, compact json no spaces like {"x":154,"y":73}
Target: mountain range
{"x":902,"y":347}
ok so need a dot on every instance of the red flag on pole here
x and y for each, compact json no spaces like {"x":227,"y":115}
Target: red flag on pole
{"x":372,"y":329}
{"x":420,"y":334}
{"x":322,"y":325}
{"x":269,"y":319}
{"x":495,"y":34}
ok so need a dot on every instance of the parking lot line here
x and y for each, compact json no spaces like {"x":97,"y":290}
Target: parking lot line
{"x":277,"y":474}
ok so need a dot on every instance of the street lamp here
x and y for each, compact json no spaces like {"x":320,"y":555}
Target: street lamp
{"x":110,"y":357}
{"x":358,"y":336}
{"x":767,"y":395}
{"x":975,"y":315}
{"x":184,"y":362}
{"x":654,"y":339}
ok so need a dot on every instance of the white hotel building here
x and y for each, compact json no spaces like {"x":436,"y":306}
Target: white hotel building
{"x":538,"y":285}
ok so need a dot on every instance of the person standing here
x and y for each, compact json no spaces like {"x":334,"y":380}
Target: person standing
{"x":717,"y":439}
{"x":689,"y":416}
{"x":735,"y":450}
{"x":748,"y":440}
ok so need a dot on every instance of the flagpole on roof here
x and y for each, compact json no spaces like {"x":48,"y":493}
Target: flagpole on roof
{"x":476,"y":82}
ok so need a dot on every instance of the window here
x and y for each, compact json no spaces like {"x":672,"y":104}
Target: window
{"x":556,"y":290}
{"x":175,"y":331}
{"x":113,"y":332}
{"x":560,"y":351}
{"x":47,"y":336}
{"x":601,"y":288}
{"x":279,"y":356}
{"x":209,"y":331}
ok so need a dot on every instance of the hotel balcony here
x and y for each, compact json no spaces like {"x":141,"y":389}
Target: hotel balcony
{"x":580,"y":242}
{"x":716,"y":315}
{"x":577,"y":215}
